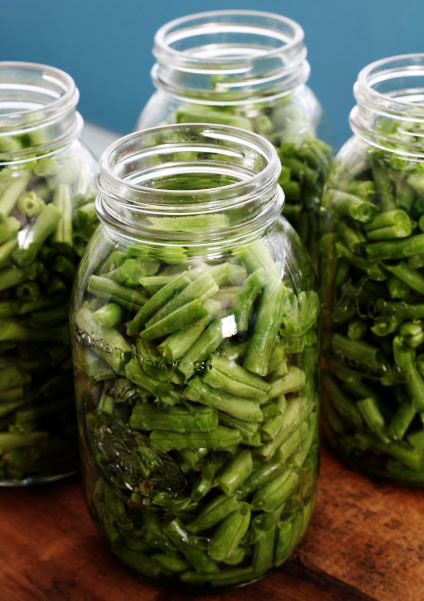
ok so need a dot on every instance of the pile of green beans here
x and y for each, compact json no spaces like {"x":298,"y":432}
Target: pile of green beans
{"x":305,"y":159}
{"x":373,"y":287}
{"x":196,"y":387}
{"x":47,"y":215}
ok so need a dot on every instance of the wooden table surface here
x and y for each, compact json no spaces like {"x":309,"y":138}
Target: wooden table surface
{"x":365,"y":542}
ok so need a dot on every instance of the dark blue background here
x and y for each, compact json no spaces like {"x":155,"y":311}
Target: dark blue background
{"x":106,"y":45}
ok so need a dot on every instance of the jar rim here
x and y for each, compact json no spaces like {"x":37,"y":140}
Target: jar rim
{"x":389,"y":110}
{"x":63,"y":102}
{"x":230,"y":57}
{"x":271,"y":169}
{"x":37,"y":110}
{"x":133,"y":209}
{"x":162,"y":45}
{"x":386,"y":69}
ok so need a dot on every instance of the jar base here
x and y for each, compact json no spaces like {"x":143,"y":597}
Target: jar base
{"x":34,"y":480}
{"x":379,"y":475}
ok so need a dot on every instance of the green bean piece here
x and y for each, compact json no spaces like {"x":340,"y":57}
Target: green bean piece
{"x":272,"y":494}
{"x":178,"y":344}
{"x":236,"y":372}
{"x":221,"y":381}
{"x":372,"y":416}
{"x":9,"y":227}
{"x":176,"y":321}
{"x":263,"y":555}
{"x":353,"y":206}
{"x":174,"y":419}
{"x":108,"y":315}
{"x":184,"y":542}
{"x":356,"y":350}
{"x":108,"y":343}
{"x":126,"y":297}
{"x":238,"y":407}
{"x":213,"y":513}
{"x":341,"y":402}
{"x":10,"y":441}
{"x":229,"y":533}
{"x":157,"y":301}
{"x":408,"y":276}
{"x":199,"y":289}
{"x":62,"y":235}
{"x":401,"y":421}
{"x":243,"y":304}
{"x":356,"y":329}
{"x":36,"y":234}
{"x":236,"y":472}
{"x":170,"y":563}
{"x":30,"y":204}
{"x":390,"y":224}
{"x":268,"y":322}
{"x":284,"y":543}
{"x":10,"y":194}
{"x":399,"y":249}
{"x":138,"y":376}
{"x":296,"y":411}
{"x":293,"y":381}
{"x":205,"y":480}
{"x":219,"y":438}
{"x":204,"y":346}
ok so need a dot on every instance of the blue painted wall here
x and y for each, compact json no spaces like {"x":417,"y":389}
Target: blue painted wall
{"x":106,"y":45}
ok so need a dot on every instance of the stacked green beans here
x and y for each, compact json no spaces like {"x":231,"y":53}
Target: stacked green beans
{"x":373,"y":287}
{"x":197,"y":400}
{"x":46,"y":217}
{"x":305,"y":159}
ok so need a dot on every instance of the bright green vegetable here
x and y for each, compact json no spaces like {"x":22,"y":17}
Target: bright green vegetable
{"x":373,"y":333}
{"x":207,"y":419}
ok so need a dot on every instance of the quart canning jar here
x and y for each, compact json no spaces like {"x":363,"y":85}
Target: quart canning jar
{"x":195,"y":351}
{"x":47,"y":213}
{"x":373,"y":276}
{"x":247,"y":69}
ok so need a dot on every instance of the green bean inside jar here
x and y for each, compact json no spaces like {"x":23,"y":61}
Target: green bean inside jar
{"x":195,"y":349}
{"x":47,"y":214}
{"x":373,"y":277}
{"x":247,"y":69}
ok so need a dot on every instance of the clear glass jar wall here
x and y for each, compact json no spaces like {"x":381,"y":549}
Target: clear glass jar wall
{"x":373,"y":276}
{"x":47,"y":215}
{"x":247,"y":69}
{"x":195,"y":352}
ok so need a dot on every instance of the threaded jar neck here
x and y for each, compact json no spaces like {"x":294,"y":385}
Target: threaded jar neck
{"x":389,"y":112}
{"x":189,"y":184}
{"x":230,"y":57}
{"x":37,"y":110}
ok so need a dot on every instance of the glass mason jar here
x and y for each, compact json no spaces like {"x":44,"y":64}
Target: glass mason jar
{"x":47,"y":214}
{"x":247,"y":69}
{"x":195,"y":353}
{"x":373,"y":276}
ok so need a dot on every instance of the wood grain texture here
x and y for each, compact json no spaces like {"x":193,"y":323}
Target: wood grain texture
{"x":365,"y":543}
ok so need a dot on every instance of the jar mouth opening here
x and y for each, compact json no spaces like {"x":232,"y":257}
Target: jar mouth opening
{"x":394,"y":85}
{"x":389,"y":113}
{"x":192,"y":184}
{"x":161,"y":167}
{"x":32,"y":94}
{"x":202,"y":38}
